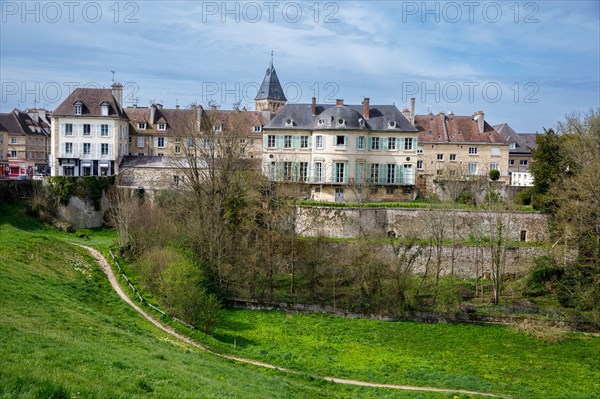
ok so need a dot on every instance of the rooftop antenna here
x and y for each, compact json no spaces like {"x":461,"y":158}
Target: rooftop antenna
{"x":113,"y":76}
{"x":271,"y":56}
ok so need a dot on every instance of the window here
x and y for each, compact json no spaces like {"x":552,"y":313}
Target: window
{"x":162,"y":126}
{"x":512,"y":145}
{"x":13,"y":154}
{"x":472,"y":150}
{"x":340,"y":141}
{"x":420,"y":165}
{"x":160,"y":142}
{"x":391,"y":173}
{"x":177,"y":149}
{"x":257,"y":129}
{"x":140,"y":142}
{"x":318,"y":172}
{"x":390,"y":190}
{"x":87,"y":129}
{"x":340,"y":172}
{"x":511,"y":162}
{"x":68,"y":129}
{"x":303,"y":171}
{"x":205,"y":143}
{"x":77,"y":109}
{"x":419,"y":150}
{"x":523,"y":235}
{"x":495,"y":151}
{"x":374,"y":172}
{"x":104,"y":149}
{"x":142,"y":126}
{"x":440,"y":157}
{"x":360,"y":143}
{"x":217,"y":128}
{"x":473,"y":168}
{"x":303,"y":141}
{"x":87,"y":148}
{"x":523,"y":162}
{"x":104,"y":109}
{"x":287,"y":171}
{"x":13,"y":140}
{"x":453,"y":157}
{"x":287,"y":141}
{"x":494,"y":166}
{"x":271,"y":141}
{"x":68,"y":171}
{"x":319,"y":141}
{"x":375,"y":143}
{"x":391,"y":143}
{"x":87,"y":171}
{"x":69,"y":148}
{"x":408,"y":144}
{"x":103,"y":130}
{"x":140,"y":154}
{"x":176,"y":180}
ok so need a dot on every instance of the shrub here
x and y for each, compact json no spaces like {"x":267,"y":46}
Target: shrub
{"x":494,"y":174}
{"x":542,"y":330}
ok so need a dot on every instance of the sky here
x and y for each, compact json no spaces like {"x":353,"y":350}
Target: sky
{"x":525,"y":63}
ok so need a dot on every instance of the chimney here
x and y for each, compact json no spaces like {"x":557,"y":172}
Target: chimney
{"x":479,"y":117}
{"x":117,"y":92}
{"x":314,"y":106}
{"x":406,"y":113}
{"x":177,"y":106}
{"x":339,"y":102}
{"x":152,"y":113}
{"x":366,"y":107}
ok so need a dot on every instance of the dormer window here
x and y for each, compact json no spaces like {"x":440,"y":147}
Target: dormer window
{"x":142,"y":126}
{"x":321,"y":121}
{"x":341,"y":122}
{"x":361,"y":122}
{"x":513,"y":145}
{"x":257,"y":129}
{"x":289,"y":122}
{"x":162,"y":126}
{"x":217,"y":128}
{"x":77,"y":109}
{"x":104,"y":109}
{"x":392,"y":124}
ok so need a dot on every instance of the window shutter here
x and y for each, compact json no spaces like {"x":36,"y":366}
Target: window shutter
{"x":370,"y":143}
{"x":309,"y":142}
{"x":295,"y":141}
{"x":382,"y":173}
{"x":62,"y":129}
{"x":265,"y":140}
{"x":384,"y":143}
{"x":156,"y":142}
{"x":357,"y":143}
{"x":398,"y":174}
{"x":279,"y":141}
{"x":165,"y":142}
{"x":79,"y":130}
{"x":359,"y":172}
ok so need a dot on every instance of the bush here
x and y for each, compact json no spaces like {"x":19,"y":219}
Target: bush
{"x":542,"y":330}
{"x":494,"y":174}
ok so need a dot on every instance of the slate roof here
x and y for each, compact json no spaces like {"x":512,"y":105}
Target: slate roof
{"x":20,"y":123}
{"x":270,"y":89}
{"x":301,"y":117}
{"x":91,"y":100}
{"x":443,"y":128}
{"x":524,"y":142}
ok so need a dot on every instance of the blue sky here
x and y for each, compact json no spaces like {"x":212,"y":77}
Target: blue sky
{"x":525,"y":63}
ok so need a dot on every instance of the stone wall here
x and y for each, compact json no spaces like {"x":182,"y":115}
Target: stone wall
{"x":419,"y":223}
{"x":80,"y":213}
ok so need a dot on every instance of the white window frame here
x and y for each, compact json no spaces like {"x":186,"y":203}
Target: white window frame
{"x":271,"y":141}
{"x":160,"y":142}
{"x":77,"y":110}
{"x":68,"y":148}
{"x":104,"y":149}
{"x":361,"y":143}
{"x":319,"y":141}
{"x":473,"y":168}
{"x":391,"y":143}
{"x":14,"y":140}
{"x":440,"y":157}
{"x":318,"y":172}
{"x":89,"y":149}
{"x":162,"y":126}
{"x":104,"y":130}
{"x":258,"y":129}
{"x":140,"y":142}
{"x":420,"y":164}
{"x":104,"y":109}
{"x":304,"y":141}
{"x":89,"y":129}
{"x":141,"y":126}
{"x":453,"y":157}
{"x":69,"y":129}
{"x":375,"y":144}
{"x":472,"y":150}
{"x":287,"y":141}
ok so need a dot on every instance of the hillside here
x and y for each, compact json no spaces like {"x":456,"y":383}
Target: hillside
{"x":64,"y":333}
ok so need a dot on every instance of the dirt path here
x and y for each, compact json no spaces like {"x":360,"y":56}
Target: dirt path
{"x":115,"y":285}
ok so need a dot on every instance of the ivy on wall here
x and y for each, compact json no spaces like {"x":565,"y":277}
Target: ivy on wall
{"x":87,"y":187}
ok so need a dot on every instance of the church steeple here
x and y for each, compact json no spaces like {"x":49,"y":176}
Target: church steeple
{"x":270,"y":96}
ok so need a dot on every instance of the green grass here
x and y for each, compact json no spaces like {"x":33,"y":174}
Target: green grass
{"x":480,"y":358}
{"x":410,"y":205}
{"x":64,"y":333}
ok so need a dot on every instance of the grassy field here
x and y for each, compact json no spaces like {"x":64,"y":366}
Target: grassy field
{"x":480,"y":358}
{"x":64,"y":334}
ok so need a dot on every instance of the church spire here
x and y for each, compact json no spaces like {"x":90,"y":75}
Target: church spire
{"x":270,"y":94}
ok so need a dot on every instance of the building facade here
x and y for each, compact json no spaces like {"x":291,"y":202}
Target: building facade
{"x":342,"y":152}
{"x":520,"y":147}
{"x":25,"y":144}
{"x":458,"y":147}
{"x":90,"y":134}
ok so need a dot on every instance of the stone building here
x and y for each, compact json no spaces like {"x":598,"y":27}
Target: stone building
{"x":342,"y":152}
{"x":458,"y":147}
{"x":520,"y":146}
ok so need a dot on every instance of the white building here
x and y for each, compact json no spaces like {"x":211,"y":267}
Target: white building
{"x":89,"y":133}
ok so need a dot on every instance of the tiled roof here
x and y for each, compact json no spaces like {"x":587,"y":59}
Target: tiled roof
{"x":177,"y":120}
{"x":237,"y":119}
{"x":91,"y":100}
{"x":302,"y":118}
{"x":443,"y":128}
